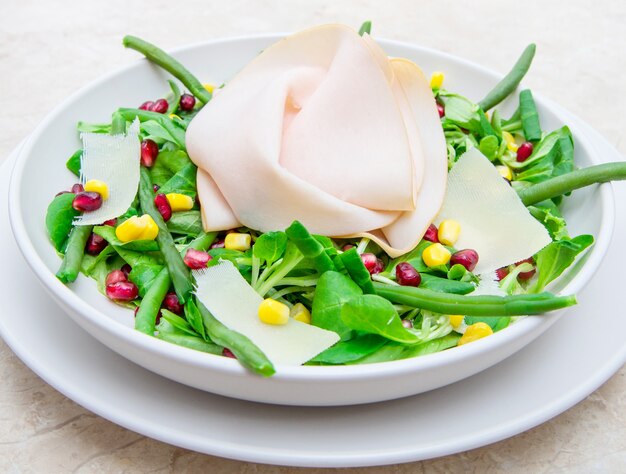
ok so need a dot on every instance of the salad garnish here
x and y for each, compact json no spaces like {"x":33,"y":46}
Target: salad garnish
{"x":181,"y":255}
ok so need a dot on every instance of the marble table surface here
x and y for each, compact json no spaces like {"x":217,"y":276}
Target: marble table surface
{"x":49,"y":49}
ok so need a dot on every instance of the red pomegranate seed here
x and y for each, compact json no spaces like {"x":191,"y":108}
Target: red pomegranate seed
{"x":160,"y":106}
{"x":171,"y":303}
{"x":146,"y":105}
{"x":524,"y":151}
{"x":218,"y":244}
{"x":347,"y":247}
{"x":122,"y":291}
{"x":110,"y":222}
{"x":369,"y":260}
{"x":95,"y":244}
{"x":407,"y":275}
{"x":155,"y":187}
{"x":187,"y":102}
{"x":526,"y":275}
{"x":149,"y":152}
{"x":126,"y":269}
{"x":115,"y":276}
{"x":441,"y":110}
{"x":87,"y":201}
{"x":379,"y":267}
{"x":468,"y":258}
{"x":196,"y":259}
{"x":432,"y":234}
{"x":407,"y":323}
{"x":501,"y":273}
{"x":228,"y":353}
{"x":163,"y":205}
{"x":77,"y":188}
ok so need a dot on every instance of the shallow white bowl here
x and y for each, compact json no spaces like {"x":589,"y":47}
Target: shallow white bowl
{"x":40,"y":172}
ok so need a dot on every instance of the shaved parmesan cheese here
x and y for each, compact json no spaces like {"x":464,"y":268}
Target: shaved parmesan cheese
{"x":494,"y":222}
{"x":233,"y":302}
{"x":113,"y":159}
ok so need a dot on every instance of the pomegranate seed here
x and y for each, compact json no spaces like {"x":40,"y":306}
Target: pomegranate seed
{"x":95,"y":244}
{"x":407,"y":323}
{"x":369,"y":260}
{"x":432,"y":234}
{"x":149,"y":152}
{"x":115,"y":276}
{"x":160,"y":106}
{"x":347,"y":247}
{"x":526,"y":275}
{"x":77,"y":188}
{"x":441,"y":110}
{"x":171,"y":303}
{"x":218,"y":244}
{"x":195,"y":259}
{"x":379,"y":267}
{"x":468,"y":258}
{"x":187,"y":102}
{"x":228,"y":353}
{"x":126,"y":269}
{"x":407,"y":275}
{"x":146,"y":105}
{"x":122,"y":291}
{"x":524,"y":151}
{"x":155,"y":187}
{"x":501,"y":273}
{"x":110,"y":222}
{"x":87,"y":201}
{"x":163,"y":205}
{"x":61,"y":192}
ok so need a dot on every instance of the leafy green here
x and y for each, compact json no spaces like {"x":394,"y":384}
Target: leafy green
{"x":60,"y":217}
{"x":310,"y":247}
{"x":185,"y":223}
{"x":168,"y":332}
{"x":194,"y":318}
{"x":489,"y":146}
{"x":333,"y":290}
{"x":353,"y":264}
{"x":366,"y":27}
{"x":352,"y":350}
{"x":108,"y":233}
{"x":86,"y":127}
{"x":174,"y":100}
{"x":495,"y":322}
{"x":397,"y":351}
{"x":73,"y":163}
{"x":177,"y":322}
{"x":270,"y":246}
{"x":167,"y":164}
{"x":183,"y":182}
{"x":376,"y":315}
{"x":143,"y":275}
{"x":549,"y":215}
{"x":553,"y":259}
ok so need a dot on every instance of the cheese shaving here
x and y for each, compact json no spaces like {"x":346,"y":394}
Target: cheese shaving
{"x":233,"y":302}
{"x":115,"y":160}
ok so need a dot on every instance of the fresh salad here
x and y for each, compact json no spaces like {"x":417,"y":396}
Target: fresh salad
{"x":133,"y":223}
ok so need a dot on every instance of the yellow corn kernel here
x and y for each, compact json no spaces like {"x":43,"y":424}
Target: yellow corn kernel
{"x":505,"y":172}
{"x":436,"y":80}
{"x":456,"y":320}
{"x":235,"y":241}
{"x":151,"y":229}
{"x":273,"y":312}
{"x":174,"y":116}
{"x":510,"y":141}
{"x":449,"y":231}
{"x":299,"y":312}
{"x":435,"y":255}
{"x":179,"y":202}
{"x":474,"y":332}
{"x":209,"y":87}
{"x":97,"y":186}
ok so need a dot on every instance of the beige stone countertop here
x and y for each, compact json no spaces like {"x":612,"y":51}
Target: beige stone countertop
{"x":50,"y":49}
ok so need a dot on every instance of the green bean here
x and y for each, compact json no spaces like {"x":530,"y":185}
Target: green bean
{"x":202,"y":242}
{"x":171,"y":65}
{"x":448,"y":303}
{"x":366,"y":27}
{"x":192,"y":342}
{"x":309,"y":246}
{"x":529,"y":115}
{"x":179,"y":272}
{"x":118,"y":124}
{"x":145,"y":319}
{"x":571,"y":181}
{"x":70,"y":267}
{"x":248,"y":354}
{"x":510,"y":82}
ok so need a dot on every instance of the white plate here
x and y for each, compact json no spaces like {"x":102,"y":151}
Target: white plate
{"x":40,"y":167}
{"x":539,"y":382}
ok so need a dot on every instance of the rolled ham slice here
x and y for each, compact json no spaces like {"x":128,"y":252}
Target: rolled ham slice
{"x":324,"y":128}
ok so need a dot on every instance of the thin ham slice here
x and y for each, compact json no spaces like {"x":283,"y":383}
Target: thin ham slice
{"x":322,"y":127}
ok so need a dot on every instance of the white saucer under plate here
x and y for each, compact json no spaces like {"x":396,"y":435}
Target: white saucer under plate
{"x":539,"y":382}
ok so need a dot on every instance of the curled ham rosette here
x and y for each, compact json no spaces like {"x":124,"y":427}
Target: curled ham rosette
{"x":324,"y":128}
